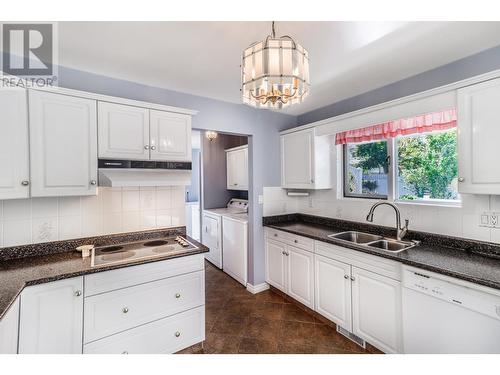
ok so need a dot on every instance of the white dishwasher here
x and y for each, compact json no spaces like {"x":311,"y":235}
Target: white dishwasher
{"x":445,"y":315}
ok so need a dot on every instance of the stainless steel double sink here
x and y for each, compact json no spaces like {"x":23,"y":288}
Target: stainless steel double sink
{"x":373,"y":241}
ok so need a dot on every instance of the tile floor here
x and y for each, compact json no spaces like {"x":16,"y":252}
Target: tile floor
{"x":265,"y":323}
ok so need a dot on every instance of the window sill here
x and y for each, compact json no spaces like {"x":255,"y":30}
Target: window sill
{"x":433,"y":203}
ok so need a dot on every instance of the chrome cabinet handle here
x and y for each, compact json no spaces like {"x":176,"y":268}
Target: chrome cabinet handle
{"x":177,"y":334}
{"x":353,"y":278}
{"x":461,"y":179}
{"x":153,"y":148}
{"x":177,"y":295}
{"x":78,"y":293}
{"x":93,"y":182}
{"x":283,"y":253}
{"x":346,"y":277}
{"x":25,"y":183}
{"x":287,"y":254}
{"x":125,"y":310}
{"x":146,"y":147}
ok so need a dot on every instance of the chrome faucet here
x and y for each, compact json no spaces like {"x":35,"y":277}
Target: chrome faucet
{"x":400,"y":231}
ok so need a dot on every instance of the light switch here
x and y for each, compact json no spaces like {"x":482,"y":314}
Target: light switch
{"x":485,"y":219}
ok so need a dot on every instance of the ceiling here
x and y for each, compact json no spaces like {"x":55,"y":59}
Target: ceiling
{"x":203,"y":58}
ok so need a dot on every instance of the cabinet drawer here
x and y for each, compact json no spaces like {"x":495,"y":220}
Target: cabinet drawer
{"x":129,"y":276}
{"x":379,"y":265}
{"x":291,"y":239}
{"x":167,"y":335}
{"x":109,"y":313}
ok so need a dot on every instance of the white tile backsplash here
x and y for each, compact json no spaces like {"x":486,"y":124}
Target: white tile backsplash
{"x":113,"y":210}
{"x":16,"y":232}
{"x":452,"y":221}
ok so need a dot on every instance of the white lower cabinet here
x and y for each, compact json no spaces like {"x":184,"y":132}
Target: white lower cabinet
{"x":291,"y":270}
{"x":9,"y":326}
{"x":376,"y":306}
{"x":152,"y":308}
{"x":300,"y":283}
{"x":333,"y":291}
{"x":167,"y":335}
{"x":119,"y":310}
{"x":276,"y":264}
{"x":359,"y":292}
{"x":51,"y":318}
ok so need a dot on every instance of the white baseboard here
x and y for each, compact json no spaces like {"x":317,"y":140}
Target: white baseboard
{"x":254,"y":289}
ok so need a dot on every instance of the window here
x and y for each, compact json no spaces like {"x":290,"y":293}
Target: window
{"x":366,"y":170}
{"x":413,"y":159}
{"x":427,"y":166}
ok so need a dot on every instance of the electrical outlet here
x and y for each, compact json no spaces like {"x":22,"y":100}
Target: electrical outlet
{"x":494,"y":219}
{"x":490,"y":220}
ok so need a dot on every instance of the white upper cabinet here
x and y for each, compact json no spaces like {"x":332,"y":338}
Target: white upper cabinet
{"x":237,"y":168}
{"x":478,"y":135}
{"x":170,"y":136}
{"x":14,"y":153}
{"x":305,"y":161}
{"x":63,"y":145}
{"x":51,"y":318}
{"x":123,"y":132}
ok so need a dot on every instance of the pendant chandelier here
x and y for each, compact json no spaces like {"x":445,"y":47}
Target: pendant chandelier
{"x":274,"y":72}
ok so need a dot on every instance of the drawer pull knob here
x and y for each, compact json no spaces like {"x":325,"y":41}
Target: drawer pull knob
{"x":346,"y":277}
{"x":78,"y":293}
{"x":124,"y":352}
{"x":177,"y":334}
{"x":125,"y":310}
{"x":353,"y":278}
{"x":275,"y":234}
{"x":177,"y":295}
{"x":296,"y":241}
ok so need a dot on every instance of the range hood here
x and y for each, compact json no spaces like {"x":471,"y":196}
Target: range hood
{"x":128,"y":173}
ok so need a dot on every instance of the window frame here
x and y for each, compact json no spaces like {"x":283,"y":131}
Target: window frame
{"x":363,"y":196}
{"x":392,"y":185}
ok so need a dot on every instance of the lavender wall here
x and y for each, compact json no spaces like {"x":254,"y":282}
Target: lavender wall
{"x":470,"y":66}
{"x":215,"y":193}
{"x":262,"y":126}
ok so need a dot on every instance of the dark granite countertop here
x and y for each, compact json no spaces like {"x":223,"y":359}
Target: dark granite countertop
{"x":473,"y":261}
{"x":16,"y":274}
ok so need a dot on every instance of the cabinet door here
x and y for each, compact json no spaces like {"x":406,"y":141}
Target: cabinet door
{"x":478,"y":113}
{"x":300,"y":276}
{"x":333,"y":290}
{"x":123,"y":132}
{"x":235,"y":248}
{"x":376,"y":306}
{"x":297,"y":160}
{"x":211,"y":233}
{"x":14,"y":156}
{"x":170,"y":136}
{"x":63,"y":145}
{"x":237,"y":169}
{"x":9,"y":326}
{"x":276,"y":264}
{"x":51,"y":318}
